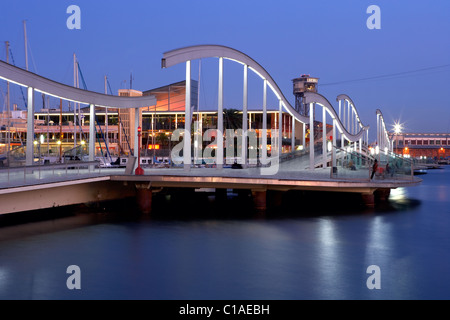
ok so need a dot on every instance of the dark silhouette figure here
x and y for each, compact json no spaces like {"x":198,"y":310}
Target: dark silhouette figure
{"x":374,"y":168}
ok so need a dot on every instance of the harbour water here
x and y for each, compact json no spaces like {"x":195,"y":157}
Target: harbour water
{"x":196,"y":247}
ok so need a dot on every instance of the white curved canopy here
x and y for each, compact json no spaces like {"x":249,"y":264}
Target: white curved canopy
{"x":312,"y":97}
{"x":49,"y":87}
{"x":182,"y":55}
{"x":346,"y":97}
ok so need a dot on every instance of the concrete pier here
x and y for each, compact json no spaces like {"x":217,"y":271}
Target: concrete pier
{"x":260,"y":200}
{"x":368,"y":199}
{"x":144,"y":196}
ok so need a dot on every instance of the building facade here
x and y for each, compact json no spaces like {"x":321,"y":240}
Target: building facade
{"x":430,"y":145}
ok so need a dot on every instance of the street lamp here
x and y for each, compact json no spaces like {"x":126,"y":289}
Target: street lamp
{"x":397,"y":131}
{"x":83,"y":143}
{"x":38,"y":145}
{"x":139,"y":171}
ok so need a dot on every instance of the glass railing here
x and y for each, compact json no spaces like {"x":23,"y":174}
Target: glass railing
{"x":393,"y":166}
{"x":353,"y":165}
{"x":36,"y":174}
{"x":350,"y":165}
{"x":79,"y":153}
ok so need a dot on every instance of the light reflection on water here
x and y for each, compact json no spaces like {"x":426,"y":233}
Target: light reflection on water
{"x":297,"y":256}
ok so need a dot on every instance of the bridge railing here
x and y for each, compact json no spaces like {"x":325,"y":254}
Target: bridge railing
{"x":351,"y":165}
{"x":38,"y":174}
{"x":396,"y":167}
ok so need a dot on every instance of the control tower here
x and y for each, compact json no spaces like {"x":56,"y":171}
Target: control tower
{"x":305,"y":83}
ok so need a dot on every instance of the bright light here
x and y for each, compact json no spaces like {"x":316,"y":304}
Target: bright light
{"x":330,"y":146}
{"x":83,"y":142}
{"x":397,"y":128}
{"x":42,"y":139}
{"x":386,"y":150}
{"x":377,"y":149}
{"x":58,"y":143}
{"x":372,"y":151}
{"x":35,"y":142}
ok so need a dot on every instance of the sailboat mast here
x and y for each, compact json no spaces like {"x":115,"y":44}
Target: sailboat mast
{"x":106,"y":114}
{"x":8,"y":109}
{"x":26,"y":43}
{"x":75,"y":71}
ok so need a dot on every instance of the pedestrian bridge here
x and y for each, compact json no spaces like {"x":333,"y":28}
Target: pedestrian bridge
{"x":340,"y":161}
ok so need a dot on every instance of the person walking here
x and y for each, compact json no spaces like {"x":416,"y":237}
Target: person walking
{"x":374,"y":168}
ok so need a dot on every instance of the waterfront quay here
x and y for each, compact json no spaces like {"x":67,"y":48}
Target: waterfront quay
{"x":42,"y":187}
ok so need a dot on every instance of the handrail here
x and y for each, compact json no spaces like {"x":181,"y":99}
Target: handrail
{"x":51,"y":166}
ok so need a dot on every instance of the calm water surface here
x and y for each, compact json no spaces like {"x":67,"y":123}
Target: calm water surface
{"x":302,"y":250}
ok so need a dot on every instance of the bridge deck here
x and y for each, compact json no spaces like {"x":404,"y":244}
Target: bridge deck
{"x":286,"y":178}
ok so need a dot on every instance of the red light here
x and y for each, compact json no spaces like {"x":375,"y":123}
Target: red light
{"x":139,"y":129}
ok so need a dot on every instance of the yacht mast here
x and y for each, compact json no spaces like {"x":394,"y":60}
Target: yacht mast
{"x":8,"y":109}
{"x":26,"y":43}
{"x":75,"y":71}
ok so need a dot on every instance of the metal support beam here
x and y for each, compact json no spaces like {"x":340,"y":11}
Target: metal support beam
{"x":245,"y":118}
{"x":264,"y":124}
{"x":280,"y":127}
{"x":324,"y":138}
{"x":187,"y":115}
{"x":220,"y":131}
{"x":333,"y":149}
{"x":293,"y":134}
{"x":304,"y":136}
{"x":348,"y":116}
{"x":30,"y":128}
{"x":92,"y":135}
{"x":311,"y":136}
{"x":136,"y":136}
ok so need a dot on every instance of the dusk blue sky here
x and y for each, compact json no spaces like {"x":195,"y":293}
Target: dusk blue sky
{"x":326,"y":38}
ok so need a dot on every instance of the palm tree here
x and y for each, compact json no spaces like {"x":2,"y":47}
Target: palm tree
{"x":232,"y":119}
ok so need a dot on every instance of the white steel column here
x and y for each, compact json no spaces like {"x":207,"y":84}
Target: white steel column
{"x":378,"y":129}
{"x":311,"y":136}
{"x":367,"y":138}
{"x":220,"y":118}
{"x":264,"y":124}
{"x":92,"y":135}
{"x":187,"y":120}
{"x":344,"y":113}
{"x":136,"y":134}
{"x":324,"y":138}
{"x":293,"y":134}
{"x":340,"y":101}
{"x":30,"y":128}
{"x":304,"y":136}
{"x":353,"y":121}
{"x":333,"y":149}
{"x":348,"y":117}
{"x":245,"y":118}
{"x":280,"y":127}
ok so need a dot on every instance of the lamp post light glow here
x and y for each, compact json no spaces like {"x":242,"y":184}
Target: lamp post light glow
{"x":397,"y":130}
